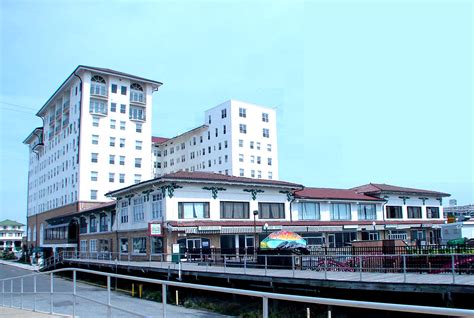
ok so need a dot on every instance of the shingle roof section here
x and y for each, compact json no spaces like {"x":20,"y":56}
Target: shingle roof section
{"x":158,"y":140}
{"x":333,"y":194}
{"x":9,"y":222}
{"x":382,"y":187}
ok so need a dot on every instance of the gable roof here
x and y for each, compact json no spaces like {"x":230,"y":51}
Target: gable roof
{"x":209,"y":177}
{"x":377,"y":188}
{"x":333,"y":194}
{"x":9,"y":222}
{"x":158,"y":140}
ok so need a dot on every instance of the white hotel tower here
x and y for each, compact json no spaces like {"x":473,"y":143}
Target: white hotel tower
{"x":95,"y":138}
{"x":237,"y":138}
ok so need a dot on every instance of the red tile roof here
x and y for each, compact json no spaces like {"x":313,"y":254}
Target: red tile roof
{"x":158,"y":140}
{"x":382,"y":187}
{"x":334,"y":194}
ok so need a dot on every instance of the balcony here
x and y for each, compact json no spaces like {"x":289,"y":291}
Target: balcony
{"x":137,"y":97}
{"x":137,"y":113}
{"x":98,"y":90}
{"x":97,"y":107}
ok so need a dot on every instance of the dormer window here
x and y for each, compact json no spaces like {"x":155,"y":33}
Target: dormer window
{"x":98,"y":86}
{"x":136,"y":93}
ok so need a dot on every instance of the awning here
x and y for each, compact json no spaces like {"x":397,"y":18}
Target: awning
{"x":65,"y":219}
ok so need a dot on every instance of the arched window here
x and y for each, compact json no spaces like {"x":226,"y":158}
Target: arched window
{"x":136,"y":93}
{"x":98,"y":86}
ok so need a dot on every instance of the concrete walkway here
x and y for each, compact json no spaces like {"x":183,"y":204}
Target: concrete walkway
{"x":19,"y":313}
{"x":20,"y":265}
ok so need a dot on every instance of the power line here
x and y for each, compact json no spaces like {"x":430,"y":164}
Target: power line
{"x":16,"y":105}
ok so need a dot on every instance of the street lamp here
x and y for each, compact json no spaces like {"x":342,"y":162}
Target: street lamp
{"x":255,"y":213}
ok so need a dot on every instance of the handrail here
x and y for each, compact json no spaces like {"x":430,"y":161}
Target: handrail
{"x":264,"y":295}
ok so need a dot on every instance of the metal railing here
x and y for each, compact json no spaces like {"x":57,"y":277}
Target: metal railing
{"x":366,"y":267}
{"x":265,"y":296}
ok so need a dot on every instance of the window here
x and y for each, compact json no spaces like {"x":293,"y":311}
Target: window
{"x":156,"y":245}
{"x":95,"y":139}
{"x":111,"y":177}
{"x":252,"y":145}
{"x":224,"y":130}
{"x":138,"y":128}
{"x":157,"y":206}
{"x":242,"y":112}
{"x":95,"y":121}
{"x":122,"y":178}
{"x":258,"y":145}
{"x":394,"y":212}
{"x":138,"y":178}
{"x":432,"y":212}
{"x":270,"y":175}
{"x":137,"y":113}
{"x":266,"y":132}
{"x":414,"y":212}
{"x":241,"y":143}
{"x":123,"y":108}
{"x":265,"y":117}
{"x":94,"y":175}
{"x":259,"y":160}
{"x":241,"y":157}
{"x":225,"y":143}
{"x":122,"y":160}
{"x":103,"y":224}
{"x":112,"y":142}
{"x":93,"y":194}
{"x":208,"y":135}
{"x":366,"y":212}
{"x":209,"y":121}
{"x":112,"y":124}
{"x":124,"y":212}
{"x":113,"y":107}
{"x":136,"y":93}
{"x":114,"y":88}
{"x":139,"y":245}
{"x":340,"y":211}
{"x":138,"y":212}
{"x":234,"y":210}
{"x":138,"y":144}
{"x":269,"y":161}
{"x":122,"y":125}
{"x":122,"y":142}
{"x":183,"y":146}
{"x":269,"y":147}
{"x":98,"y":86}
{"x":112,"y":159}
{"x":271,"y":210}
{"x":138,"y":162}
{"x":252,"y":173}
{"x":93,"y":246}
{"x":94,"y":157}
{"x":97,"y":107}
{"x":124,"y":245}
{"x":83,"y":244}
{"x":123,"y":90}
{"x":241,"y":172}
{"x":224,"y":113}
{"x":243,"y":128}
{"x":259,"y":174}
{"x":193,"y":210}
{"x":308,"y":210}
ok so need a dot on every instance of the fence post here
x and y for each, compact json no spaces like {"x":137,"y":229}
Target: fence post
{"x":452,"y":268}
{"x":163,"y":296}
{"x":74,"y":293}
{"x":293,"y":264}
{"x":404,"y":268}
{"x":325,"y":267}
{"x":21,"y":295}
{"x":360,"y":268}
{"x":265,"y":265}
{"x":51,"y":305}
{"x":265,"y":307}
{"x":245,"y":265}
{"x":34,"y":291}
{"x":109,"y":308}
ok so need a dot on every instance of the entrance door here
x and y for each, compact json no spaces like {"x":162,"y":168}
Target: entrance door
{"x":193,"y":244}
{"x":332,"y":240}
{"x":249,"y":244}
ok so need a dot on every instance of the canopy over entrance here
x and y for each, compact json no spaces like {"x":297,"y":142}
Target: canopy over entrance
{"x":282,"y":240}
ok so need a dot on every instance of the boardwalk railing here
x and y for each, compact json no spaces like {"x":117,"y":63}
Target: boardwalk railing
{"x":440,"y":264}
{"x":14,"y":287}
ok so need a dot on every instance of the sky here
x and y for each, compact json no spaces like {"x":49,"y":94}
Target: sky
{"x":365,"y":91}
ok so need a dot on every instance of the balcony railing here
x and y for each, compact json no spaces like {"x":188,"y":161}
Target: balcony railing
{"x":98,"y":90}
{"x":137,"y":97}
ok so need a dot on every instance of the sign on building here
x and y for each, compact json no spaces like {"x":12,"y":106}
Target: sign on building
{"x":155,"y":229}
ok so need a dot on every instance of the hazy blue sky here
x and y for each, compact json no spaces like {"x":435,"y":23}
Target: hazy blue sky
{"x":365,"y":91}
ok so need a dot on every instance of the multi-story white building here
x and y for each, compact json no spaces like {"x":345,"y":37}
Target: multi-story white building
{"x":95,"y":138}
{"x":11,"y":234}
{"x":237,"y":138}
